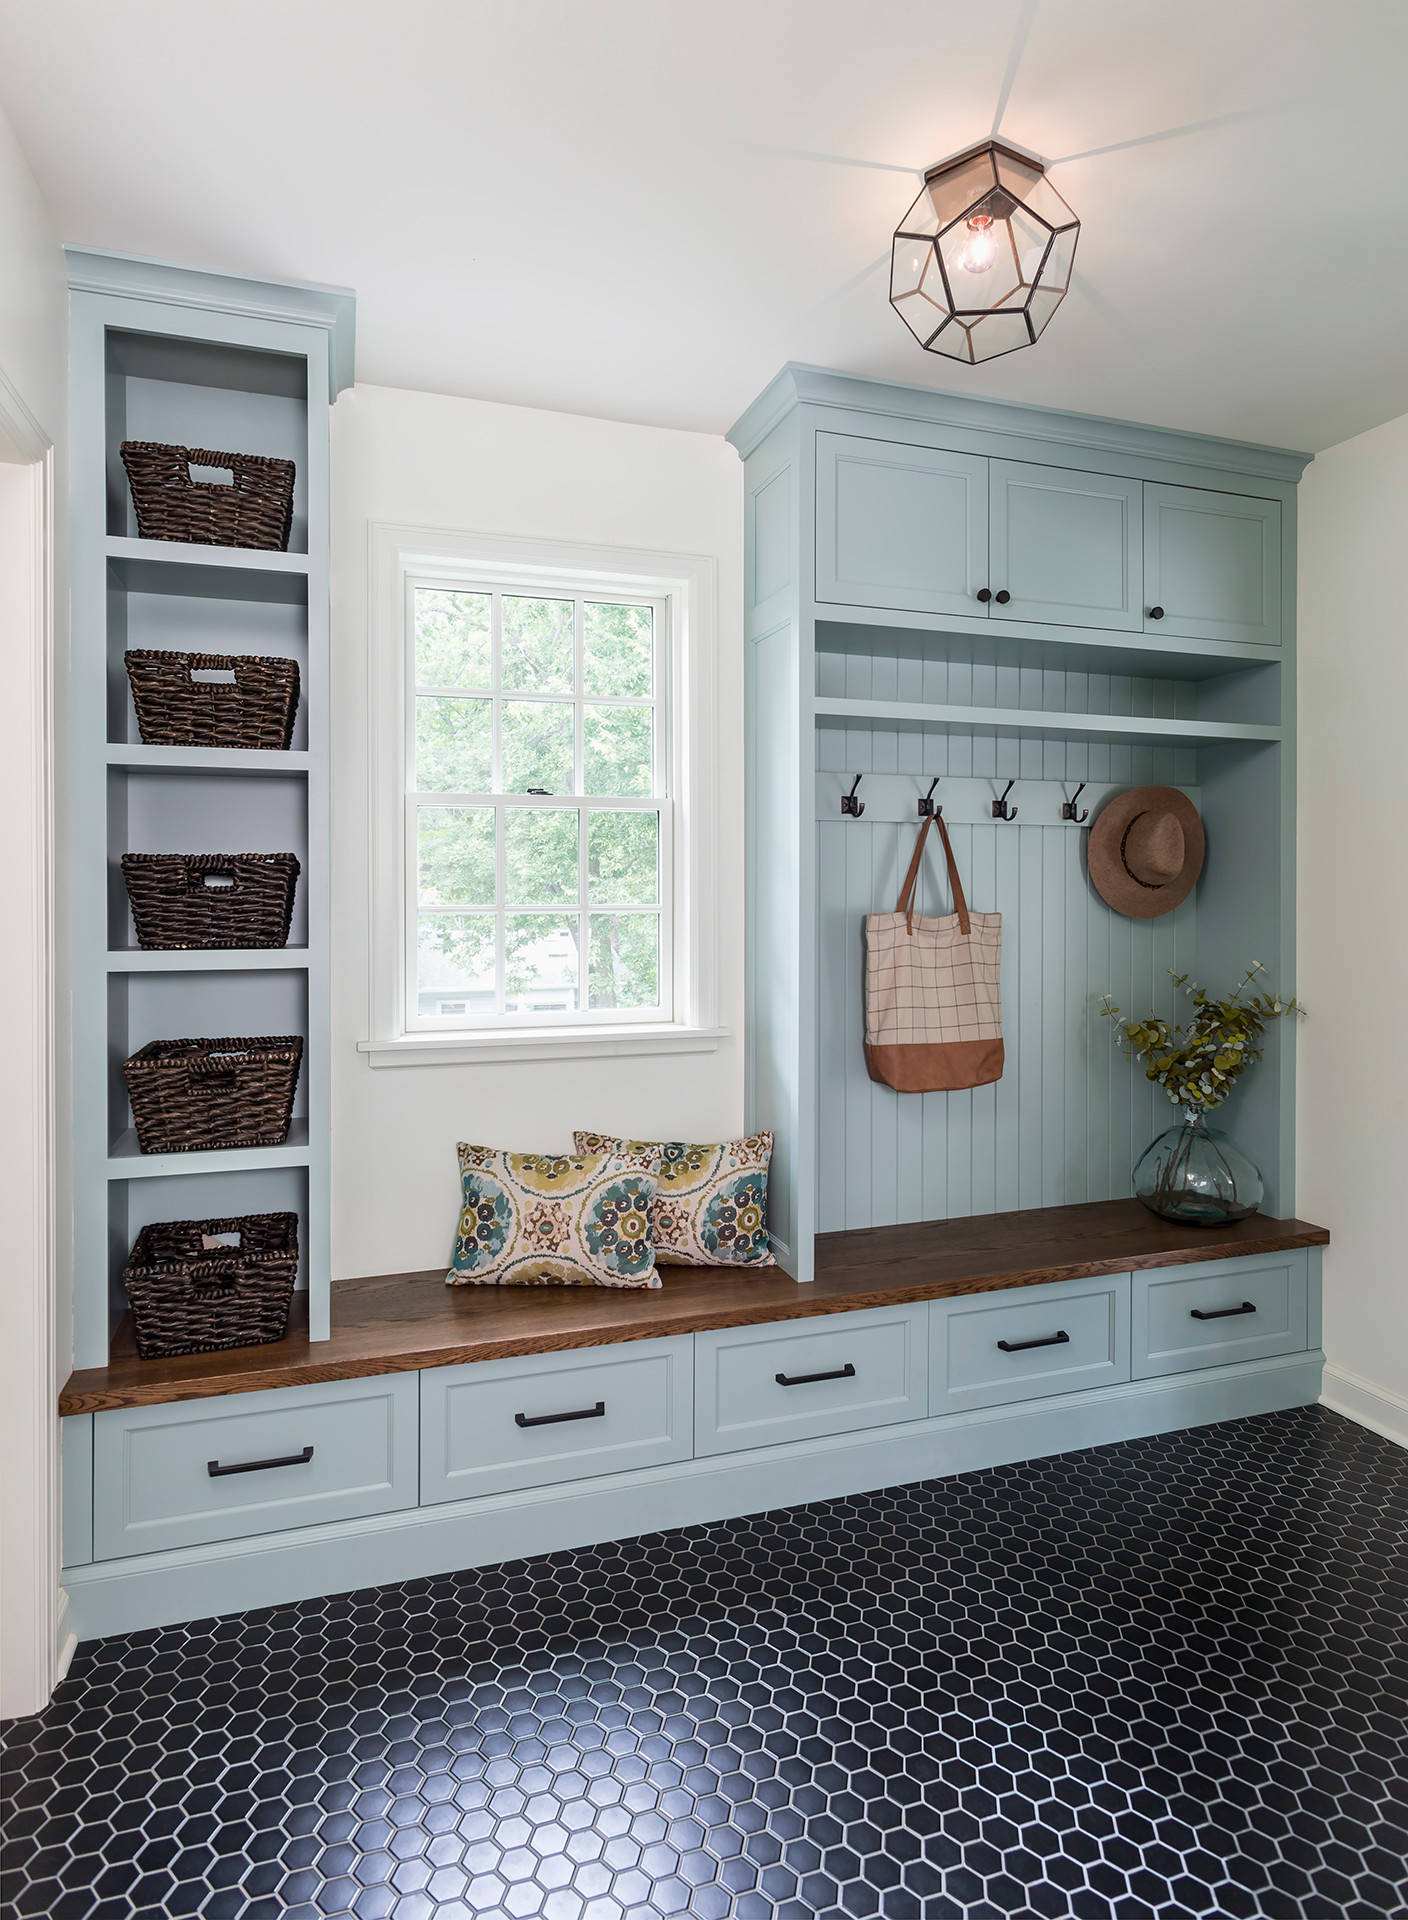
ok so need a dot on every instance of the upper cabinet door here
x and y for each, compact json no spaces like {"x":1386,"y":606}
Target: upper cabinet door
{"x":900,"y":527}
{"x":1212,"y":565}
{"x":1066,"y":547}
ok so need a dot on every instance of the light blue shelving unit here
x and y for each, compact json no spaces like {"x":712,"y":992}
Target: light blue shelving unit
{"x":937,"y":585}
{"x":204,"y":360}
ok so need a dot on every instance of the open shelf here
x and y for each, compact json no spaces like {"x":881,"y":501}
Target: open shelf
{"x":127,"y":1162}
{"x":1009,"y":723}
{"x":158,"y":353}
{"x":402,"y":1322}
{"x":264,"y":760}
{"x":205,"y":959}
{"x":994,"y":642}
{"x":127,"y":552}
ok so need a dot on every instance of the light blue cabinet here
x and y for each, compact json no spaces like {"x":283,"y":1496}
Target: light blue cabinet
{"x":756,"y":1386}
{"x":988,"y":1350}
{"x":900,"y":527}
{"x":549,"y":1417}
{"x":922,"y":530}
{"x":1217,"y":1311}
{"x":1212,"y":563}
{"x":175,"y":1476}
{"x":1066,"y":546}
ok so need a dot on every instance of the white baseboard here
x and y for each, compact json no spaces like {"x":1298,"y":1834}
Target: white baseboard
{"x":1372,"y":1406}
{"x":232,"y":1576}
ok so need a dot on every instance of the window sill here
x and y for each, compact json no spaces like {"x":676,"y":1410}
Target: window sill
{"x":564,"y":1043}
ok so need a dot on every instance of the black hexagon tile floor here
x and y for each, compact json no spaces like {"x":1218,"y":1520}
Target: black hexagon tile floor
{"x":1145,"y":1682}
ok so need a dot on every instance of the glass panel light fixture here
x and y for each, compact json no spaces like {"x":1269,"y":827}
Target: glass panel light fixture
{"x":983,"y":258}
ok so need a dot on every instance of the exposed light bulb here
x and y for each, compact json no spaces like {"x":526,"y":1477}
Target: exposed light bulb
{"x":980,"y":249}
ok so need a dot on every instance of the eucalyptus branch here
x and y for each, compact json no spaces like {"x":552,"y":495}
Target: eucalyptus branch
{"x":1198,"y":1064}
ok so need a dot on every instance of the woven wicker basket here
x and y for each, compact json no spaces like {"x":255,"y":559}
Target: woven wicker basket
{"x":188,"y":1095}
{"x":254,"y":510}
{"x":241,"y":700}
{"x":182,"y":900}
{"x":198,"y":1286}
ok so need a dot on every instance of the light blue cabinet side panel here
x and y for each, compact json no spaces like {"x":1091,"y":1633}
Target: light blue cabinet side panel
{"x":1314,"y":1301}
{"x":87,"y":863}
{"x":1067,"y":546}
{"x":317,"y":1060}
{"x":1244,"y":915}
{"x":771,"y":541}
{"x":775,"y":772}
{"x":1069,"y":1116}
{"x":1212,"y":561}
{"x":76,"y":1469}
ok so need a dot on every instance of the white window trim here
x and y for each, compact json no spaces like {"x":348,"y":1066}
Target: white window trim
{"x":689,"y":582}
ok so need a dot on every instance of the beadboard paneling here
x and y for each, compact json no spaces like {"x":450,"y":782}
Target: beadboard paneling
{"x":1070,"y":1114}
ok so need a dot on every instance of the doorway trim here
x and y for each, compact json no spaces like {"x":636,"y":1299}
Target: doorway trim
{"x":38,"y":1642}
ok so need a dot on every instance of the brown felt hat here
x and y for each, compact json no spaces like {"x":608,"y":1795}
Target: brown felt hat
{"x":1146,"y":851}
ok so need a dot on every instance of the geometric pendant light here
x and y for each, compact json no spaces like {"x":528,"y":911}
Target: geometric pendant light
{"x":983,"y":258}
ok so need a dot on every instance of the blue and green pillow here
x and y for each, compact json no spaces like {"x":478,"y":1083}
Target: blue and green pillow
{"x":555,"y":1220}
{"x":712,"y":1209}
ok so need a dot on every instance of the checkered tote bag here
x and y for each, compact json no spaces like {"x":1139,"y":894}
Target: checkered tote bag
{"x":933,"y":1018}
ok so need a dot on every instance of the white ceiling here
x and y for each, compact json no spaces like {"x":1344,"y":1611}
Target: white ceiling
{"x":641,"y":208}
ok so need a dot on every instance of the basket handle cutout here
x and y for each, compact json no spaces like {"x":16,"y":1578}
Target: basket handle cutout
{"x":220,"y":882}
{"x":215,"y":1066}
{"x":213,"y":676}
{"x":209,"y":1241}
{"x":210,"y":476}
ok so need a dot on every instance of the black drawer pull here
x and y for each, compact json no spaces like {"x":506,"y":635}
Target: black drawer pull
{"x":1220,"y":1313}
{"x":551,"y":1419}
{"x":847,"y":1372}
{"x":215,"y":1470}
{"x":1020,"y":1346}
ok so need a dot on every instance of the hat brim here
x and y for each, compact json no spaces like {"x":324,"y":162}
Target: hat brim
{"x":1113,"y":881}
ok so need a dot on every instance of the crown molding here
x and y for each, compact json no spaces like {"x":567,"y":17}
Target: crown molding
{"x":293,"y":302}
{"x":797,"y":386}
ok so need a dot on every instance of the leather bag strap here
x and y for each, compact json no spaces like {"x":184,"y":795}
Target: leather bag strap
{"x":905,"y":903}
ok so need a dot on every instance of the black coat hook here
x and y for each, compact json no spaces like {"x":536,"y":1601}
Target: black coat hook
{"x":926,"y":806}
{"x":1070,"y":811}
{"x":849,"y":804}
{"x":1000,"y":808}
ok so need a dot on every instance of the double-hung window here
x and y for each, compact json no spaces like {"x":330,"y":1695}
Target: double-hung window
{"x":538,"y":817}
{"x":550,"y":875}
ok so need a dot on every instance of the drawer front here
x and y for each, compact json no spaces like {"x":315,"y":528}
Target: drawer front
{"x":175,"y":1476}
{"x":1219,"y":1310}
{"x":501,"y":1424}
{"x":989,"y":1348}
{"x":755,"y":1386}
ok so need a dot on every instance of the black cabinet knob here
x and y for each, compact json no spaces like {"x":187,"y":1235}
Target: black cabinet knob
{"x":1002,"y":597}
{"x":985,"y":594}
{"x":1156,"y":613}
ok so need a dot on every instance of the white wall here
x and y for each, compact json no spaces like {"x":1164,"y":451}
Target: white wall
{"x":1353,"y":945}
{"x":425,"y":460}
{"x":33,"y":295}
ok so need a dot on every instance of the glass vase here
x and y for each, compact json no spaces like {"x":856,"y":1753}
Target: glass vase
{"x":1196,"y":1175}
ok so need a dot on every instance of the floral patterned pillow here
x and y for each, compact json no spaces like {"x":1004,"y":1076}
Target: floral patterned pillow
{"x":713,"y":1204}
{"x":555,"y":1220}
